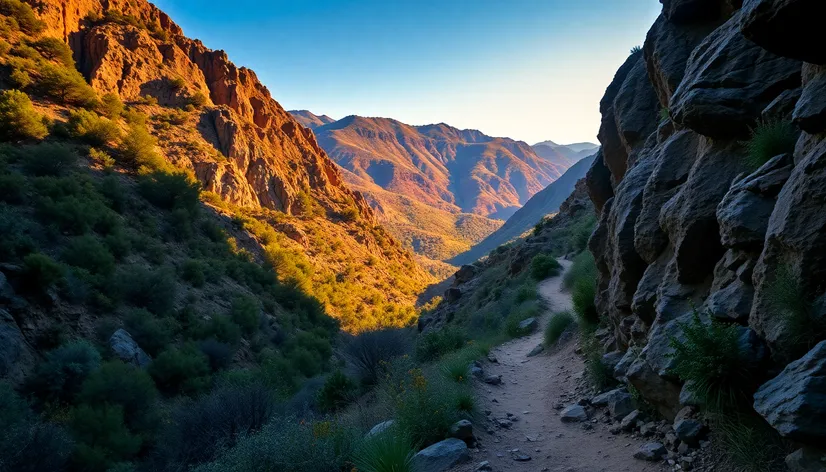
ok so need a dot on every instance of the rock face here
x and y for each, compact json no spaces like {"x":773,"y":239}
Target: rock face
{"x":441,"y":456}
{"x":16,"y":355}
{"x":688,"y":222}
{"x":127,"y":349}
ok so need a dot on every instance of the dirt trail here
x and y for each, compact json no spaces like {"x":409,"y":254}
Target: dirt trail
{"x":531,"y":388}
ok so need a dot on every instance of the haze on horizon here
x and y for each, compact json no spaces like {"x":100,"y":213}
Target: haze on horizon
{"x":531,"y":70}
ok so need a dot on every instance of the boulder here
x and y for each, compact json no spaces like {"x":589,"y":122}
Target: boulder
{"x":794,"y":402}
{"x":477,"y":371}
{"x":573,"y":414}
{"x":452,"y":295}
{"x":539,"y":349}
{"x":622,"y":366}
{"x":651,"y":452}
{"x":493,"y":379}
{"x":529,"y":325}
{"x":789,"y":28}
{"x":462,"y":429}
{"x":127,"y":350}
{"x":380,"y":428}
{"x":689,"y":431}
{"x":465,"y":274}
{"x":611,"y":359}
{"x":810,"y":110}
{"x":630,"y":421}
{"x":618,"y":402}
{"x":663,"y":394}
{"x":441,"y":456}
{"x":806,"y":460}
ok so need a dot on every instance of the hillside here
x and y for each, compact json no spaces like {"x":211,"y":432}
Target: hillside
{"x":544,"y":203}
{"x":564,"y":155}
{"x":309,"y":119}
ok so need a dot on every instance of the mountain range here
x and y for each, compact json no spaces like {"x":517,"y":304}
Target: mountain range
{"x":438,"y":188}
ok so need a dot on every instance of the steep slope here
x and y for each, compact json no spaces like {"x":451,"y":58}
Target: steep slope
{"x":309,"y":119}
{"x":538,"y":207}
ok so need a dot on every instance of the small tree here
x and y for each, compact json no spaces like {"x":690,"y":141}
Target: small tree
{"x":91,"y":128}
{"x":54,"y":49}
{"x":18,"y":118}
{"x":66,"y":86}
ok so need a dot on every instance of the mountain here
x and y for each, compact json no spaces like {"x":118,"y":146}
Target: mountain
{"x":309,"y":119}
{"x":540,"y":205}
{"x":564,"y":154}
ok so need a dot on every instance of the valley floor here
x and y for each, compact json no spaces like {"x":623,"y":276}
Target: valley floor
{"x":532,"y":390}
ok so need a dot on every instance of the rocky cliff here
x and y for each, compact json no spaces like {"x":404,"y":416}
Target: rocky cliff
{"x":689,"y":222}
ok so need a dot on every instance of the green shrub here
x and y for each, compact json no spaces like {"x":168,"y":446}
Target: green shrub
{"x":598,"y":374}
{"x":198,"y":99}
{"x":66,"y":86}
{"x":391,"y":451}
{"x":557,"y":325}
{"x":23,"y":15}
{"x":137,"y":150}
{"x":18,"y":118}
{"x":748,"y":443}
{"x":520,"y":314}
{"x":665,"y":114}
{"x":178,"y":83}
{"x":45,"y":159}
{"x":40,"y":272}
{"x":54,"y":49}
{"x":110,"y":106}
{"x":14,"y":188}
{"x":89,"y":253}
{"x":154,"y":290}
{"x":434,"y":344}
{"x":770,"y":139}
{"x":221,"y":328}
{"x":16,"y":242}
{"x":171,"y":191}
{"x":712,"y":358}
{"x":219,"y":354}
{"x":193,"y":272}
{"x":635,"y":50}
{"x":152,"y":334}
{"x":338,"y":391}
{"x":77,"y":215}
{"x":456,"y":367}
{"x":581,"y":280}
{"x":126,"y":386}
{"x":803,"y":326}
{"x":102,"y":437}
{"x":544,"y":266}
{"x":246,"y":313}
{"x":60,"y":376}
{"x":89,"y":127}
{"x":368,"y":352}
{"x":181,"y":371}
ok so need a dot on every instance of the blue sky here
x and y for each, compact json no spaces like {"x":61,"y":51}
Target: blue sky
{"x":527,"y":69}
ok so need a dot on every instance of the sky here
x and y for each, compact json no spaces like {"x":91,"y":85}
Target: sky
{"x":531,"y":70}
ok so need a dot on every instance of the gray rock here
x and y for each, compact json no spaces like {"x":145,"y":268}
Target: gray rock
{"x":806,"y":460}
{"x":687,"y":396}
{"x":380,"y":428}
{"x":786,"y":27}
{"x":573,"y":414}
{"x":539,"y":349}
{"x":611,"y":359}
{"x":528,"y":325}
{"x":477,"y":372}
{"x":604,"y":398}
{"x":484,"y":467}
{"x":16,"y":356}
{"x":464,"y":274}
{"x":493,"y":379}
{"x":441,"y":456}
{"x":689,"y":431}
{"x":618,"y":402}
{"x":462,"y":429}
{"x":794,"y":402}
{"x":810,"y":111}
{"x":622,"y":366}
{"x":659,"y":392}
{"x":630,"y":421}
{"x":520,"y":457}
{"x":127,"y":350}
{"x":452,"y":295}
{"x":651,"y":452}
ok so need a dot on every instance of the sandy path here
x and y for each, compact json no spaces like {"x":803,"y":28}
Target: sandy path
{"x":531,"y":388}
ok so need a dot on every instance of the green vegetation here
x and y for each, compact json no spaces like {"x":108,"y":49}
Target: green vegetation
{"x":368,"y":353}
{"x":581,"y":280}
{"x":520,"y":313}
{"x":390,"y":451}
{"x":337,"y":392}
{"x":18,"y":118}
{"x":770,"y":139}
{"x":544,"y":266}
{"x":558,"y":324}
{"x":803,"y":327}
{"x":434,"y":344}
{"x":748,"y":443}
{"x":635,"y":50}
{"x":89,"y":127}
{"x":665,"y":114}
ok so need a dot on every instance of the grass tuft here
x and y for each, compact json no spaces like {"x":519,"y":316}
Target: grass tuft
{"x":788,"y":298}
{"x":581,"y":280}
{"x":557,"y":325}
{"x":391,"y":451}
{"x":770,"y":139}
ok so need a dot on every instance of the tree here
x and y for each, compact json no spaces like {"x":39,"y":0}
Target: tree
{"x":18,"y":118}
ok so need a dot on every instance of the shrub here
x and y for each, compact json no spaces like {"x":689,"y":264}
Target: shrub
{"x":110,"y":106}
{"x":44,"y":159}
{"x":193,"y":272}
{"x":391,"y":451}
{"x":170,"y":191}
{"x":221,"y":328}
{"x":54,"y":49}
{"x":635,"y":50}
{"x":434,"y":344}
{"x":748,"y":443}
{"x":66,"y":86}
{"x":137,"y":150}
{"x":103,"y":438}
{"x":178,"y":83}
{"x":520,"y":314}
{"x":367,"y":353}
{"x":557,"y":325}
{"x":198,"y":99}
{"x":15,"y":242}
{"x":770,"y":139}
{"x":126,"y":386}
{"x":88,"y":253}
{"x":246,"y":313}
{"x":712,"y":358}
{"x":598,"y":374}
{"x":40,"y":272}
{"x":23,"y":15}
{"x":152,"y":334}
{"x":219,"y":354}
{"x":181,"y":371}
{"x":199,"y":430}
{"x":18,"y":118}
{"x":154,"y":290}
{"x":60,"y":376}
{"x":338,"y":391}
{"x":89,"y":127}
{"x":803,"y":326}
{"x":581,"y":280}
{"x":20,"y":78}
{"x":456,"y":367}
{"x":544,"y":266}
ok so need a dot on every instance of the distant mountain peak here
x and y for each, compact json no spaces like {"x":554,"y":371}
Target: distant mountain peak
{"x":309,"y":119}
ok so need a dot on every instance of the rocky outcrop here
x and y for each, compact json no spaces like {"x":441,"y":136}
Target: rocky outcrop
{"x":687,"y":221}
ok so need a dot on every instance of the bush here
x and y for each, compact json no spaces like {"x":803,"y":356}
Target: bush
{"x":110,"y":106}
{"x":60,"y":376}
{"x":89,"y":127}
{"x":581,"y":280}
{"x":23,"y":15}
{"x":557,"y":325}
{"x":153,"y":335}
{"x":66,"y":86}
{"x":520,"y":314}
{"x":14,"y":188}
{"x":198,"y":99}
{"x":221,"y":328}
{"x":434,"y":344}
{"x":54,"y":49}
{"x":193,"y":272}
{"x":748,"y":443}
{"x":171,"y":191}
{"x":391,"y":451}
{"x":246,"y":313}
{"x":367,"y":353}
{"x":181,"y":371}
{"x":178,"y":83}
{"x":18,"y":118}
{"x":88,"y":253}
{"x":103,"y":438}
{"x":711,"y":357}
{"x":803,"y":327}
{"x":456,"y":367}
{"x":544,"y":266}
{"x":40,"y":272}
{"x":338,"y":392}
{"x":44,"y":159}
{"x":199,"y":430}
{"x":598,"y":374}
{"x":219,"y":354}
{"x":154,"y":290}
{"x":126,"y":386}
{"x":770,"y":139}
{"x":137,"y":150}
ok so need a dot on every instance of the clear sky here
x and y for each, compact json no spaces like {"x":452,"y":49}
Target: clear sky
{"x":527,"y":69}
